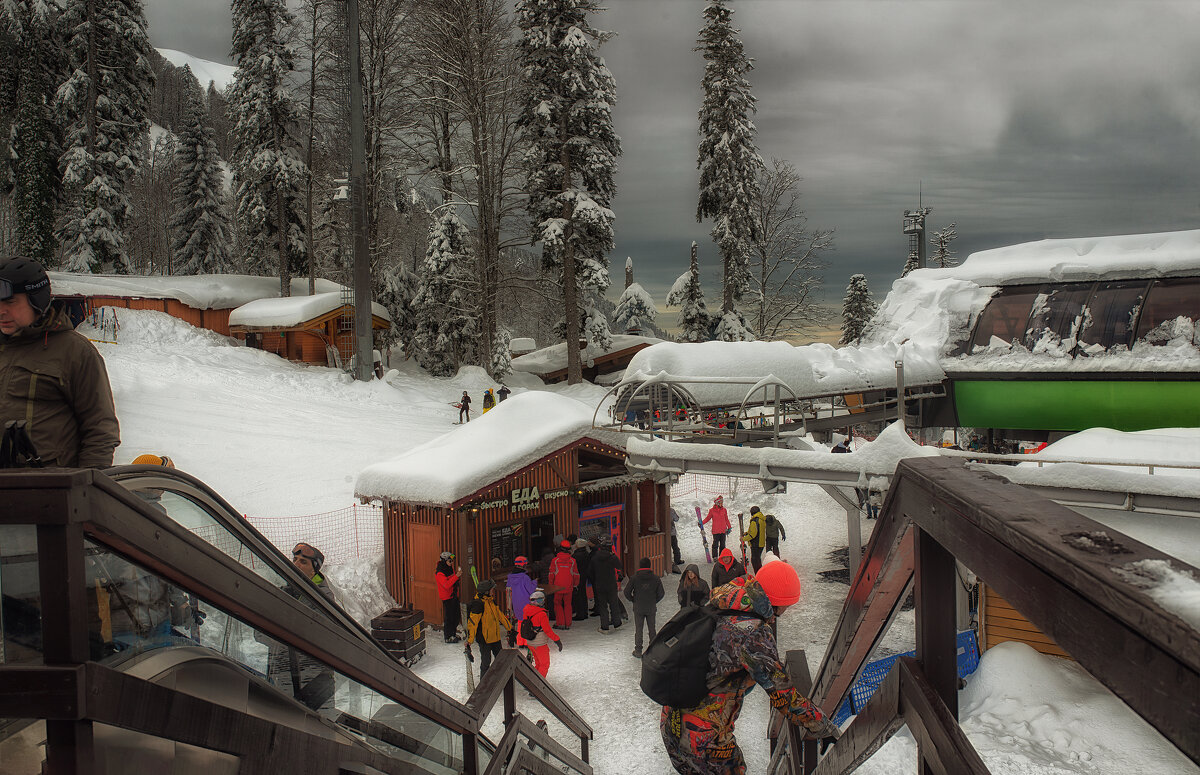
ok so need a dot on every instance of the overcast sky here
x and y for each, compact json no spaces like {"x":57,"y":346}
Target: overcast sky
{"x":1020,"y":120}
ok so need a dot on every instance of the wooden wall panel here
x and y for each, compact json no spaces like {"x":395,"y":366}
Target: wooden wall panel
{"x":187,"y":314}
{"x":999,"y":622}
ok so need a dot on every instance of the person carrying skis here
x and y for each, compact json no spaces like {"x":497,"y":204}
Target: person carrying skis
{"x":726,"y":569}
{"x":564,"y":576}
{"x":756,"y":537}
{"x":644,"y":589}
{"x":604,"y":568}
{"x":773,"y":529}
{"x":489,"y":400}
{"x":535,"y":632}
{"x":447,"y":586}
{"x":720,"y":524}
{"x":700,"y":739}
{"x":693,"y":590}
{"x":520,"y":586}
{"x":486,"y":625}
{"x":464,"y":408}
{"x":583,"y":558}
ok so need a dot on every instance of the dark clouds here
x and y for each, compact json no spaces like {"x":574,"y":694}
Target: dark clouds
{"x":1021,"y":120}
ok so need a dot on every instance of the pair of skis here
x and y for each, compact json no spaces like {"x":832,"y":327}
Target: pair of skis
{"x":466,"y":623}
{"x":703,"y":536}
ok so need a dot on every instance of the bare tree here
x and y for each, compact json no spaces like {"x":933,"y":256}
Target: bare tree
{"x":786,"y":257}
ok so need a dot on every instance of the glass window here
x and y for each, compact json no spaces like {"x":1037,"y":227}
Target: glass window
{"x":1172,"y":307}
{"x":1055,"y":316}
{"x":1006,"y":316}
{"x":20,"y":597}
{"x":1111,"y":314}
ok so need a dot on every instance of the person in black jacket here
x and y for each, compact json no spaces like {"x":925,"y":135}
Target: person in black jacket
{"x":464,"y":408}
{"x":726,"y":569}
{"x":693,"y":590}
{"x":603,"y":570}
{"x":583,"y":558}
{"x":644,"y":589}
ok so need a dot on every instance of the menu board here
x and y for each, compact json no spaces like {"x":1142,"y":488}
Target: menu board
{"x":504,"y":544}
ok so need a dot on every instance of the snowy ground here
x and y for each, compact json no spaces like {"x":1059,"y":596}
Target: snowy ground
{"x":275,"y":438}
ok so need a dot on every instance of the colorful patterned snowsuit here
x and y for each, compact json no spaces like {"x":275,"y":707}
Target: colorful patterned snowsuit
{"x":700,"y":740}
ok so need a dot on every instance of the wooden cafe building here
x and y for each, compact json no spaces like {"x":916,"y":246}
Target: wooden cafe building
{"x":504,"y":485}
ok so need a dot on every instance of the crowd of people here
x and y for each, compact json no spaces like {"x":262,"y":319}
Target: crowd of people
{"x":490,"y":399}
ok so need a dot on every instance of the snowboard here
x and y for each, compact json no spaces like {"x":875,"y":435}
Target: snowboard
{"x":703,"y":536}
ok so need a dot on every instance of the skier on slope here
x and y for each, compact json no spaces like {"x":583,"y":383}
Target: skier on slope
{"x":535,"y":632}
{"x":720,"y":524}
{"x":464,"y":408}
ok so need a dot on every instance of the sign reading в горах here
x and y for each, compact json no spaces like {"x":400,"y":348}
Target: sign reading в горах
{"x":525,"y":499}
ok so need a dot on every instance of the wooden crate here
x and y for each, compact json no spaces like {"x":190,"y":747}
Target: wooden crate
{"x":1000,"y":622}
{"x":402,"y":633}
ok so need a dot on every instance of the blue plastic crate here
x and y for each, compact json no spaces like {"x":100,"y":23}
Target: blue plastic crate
{"x":874,"y":673}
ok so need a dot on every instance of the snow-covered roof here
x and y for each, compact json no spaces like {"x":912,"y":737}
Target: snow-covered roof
{"x":522,"y":344}
{"x":292,"y":311}
{"x":813,"y":369}
{"x":205,"y":70}
{"x":1162,"y":254}
{"x":553,"y":358}
{"x":205,"y":291}
{"x":517,"y":432}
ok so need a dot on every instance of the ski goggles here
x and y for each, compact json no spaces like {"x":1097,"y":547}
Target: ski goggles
{"x":299,"y":552}
{"x":8,"y":289}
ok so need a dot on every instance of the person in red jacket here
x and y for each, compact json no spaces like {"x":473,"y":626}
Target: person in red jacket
{"x":535,"y":632}
{"x":720,"y":524}
{"x":447,"y":587}
{"x":564,"y":574}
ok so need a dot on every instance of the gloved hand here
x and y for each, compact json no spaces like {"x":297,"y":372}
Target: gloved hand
{"x":470,"y":656}
{"x":559,"y":644}
{"x":512,"y":637}
{"x":824,"y":744}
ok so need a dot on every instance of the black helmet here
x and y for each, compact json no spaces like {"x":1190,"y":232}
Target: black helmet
{"x":485,"y":586}
{"x":24,"y":275}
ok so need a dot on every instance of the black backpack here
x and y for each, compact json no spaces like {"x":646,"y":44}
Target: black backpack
{"x":528,"y":631}
{"x":675,"y":664}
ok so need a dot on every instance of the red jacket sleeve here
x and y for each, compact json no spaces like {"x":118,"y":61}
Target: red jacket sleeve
{"x":541,"y":620}
{"x":445,"y":585}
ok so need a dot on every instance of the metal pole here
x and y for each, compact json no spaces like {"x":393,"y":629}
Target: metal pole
{"x":358,"y":205}
{"x":900,"y":393}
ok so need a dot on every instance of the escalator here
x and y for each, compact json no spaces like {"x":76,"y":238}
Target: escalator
{"x":146,"y":627}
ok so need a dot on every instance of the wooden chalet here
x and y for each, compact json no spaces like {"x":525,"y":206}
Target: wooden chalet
{"x":305,"y":329}
{"x":581,"y":487}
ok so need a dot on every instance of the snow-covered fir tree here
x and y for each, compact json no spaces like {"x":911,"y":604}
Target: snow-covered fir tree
{"x":397,"y":294}
{"x":268,"y":171}
{"x":501,"y":365}
{"x":858,"y":307}
{"x":200,"y":234}
{"x":728,"y":160}
{"x":444,"y":307}
{"x":635,"y":310}
{"x":911,"y":263}
{"x":943,"y":256}
{"x":733,"y":327}
{"x":566,"y":119}
{"x":35,"y":141}
{"x":595,"y":329}
{"x":694,"y":320}
{"x":104,"y":107}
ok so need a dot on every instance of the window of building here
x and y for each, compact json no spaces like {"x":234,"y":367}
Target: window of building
{"x":1006,"y":316}
{"x":1111,"y":314}
{"x":1055,"y":316}
{"x":1170,"y":313}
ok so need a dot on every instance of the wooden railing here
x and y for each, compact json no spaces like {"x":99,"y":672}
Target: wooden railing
{"x":1068,"y":574}
{"x":70,"y":692}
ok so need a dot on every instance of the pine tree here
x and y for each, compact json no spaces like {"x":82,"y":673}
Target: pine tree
{"x":635,"y":310}
{"x":501,"y":365}
{"x":728,"y":160}
{"x":566,"y":118}
{"x":910,"y":263}
{"x":104,"y":106}
{"x":200,"y":234}
{"x":858,"y":307}
{"x":687,"y":294}
{"x":445,"y":326}
{"x":35,"y":139}
{"x":268,"y":172}
{"x":943,"y":256}
{"x":397,"y":296}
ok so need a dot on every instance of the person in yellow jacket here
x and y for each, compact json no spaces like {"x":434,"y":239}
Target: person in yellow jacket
{"x":756,"y":537}
{"x":486,"y":625}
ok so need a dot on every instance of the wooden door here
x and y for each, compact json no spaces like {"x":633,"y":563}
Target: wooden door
{"x":422,"y":559}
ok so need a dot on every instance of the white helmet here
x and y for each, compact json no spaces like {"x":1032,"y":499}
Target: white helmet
{"x":537,"y":597}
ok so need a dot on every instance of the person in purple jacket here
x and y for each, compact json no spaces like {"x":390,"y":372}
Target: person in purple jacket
{"x":520,"y":586}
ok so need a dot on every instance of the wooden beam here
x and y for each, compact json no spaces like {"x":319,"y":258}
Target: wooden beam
{"x":874,"y":726}
{"x":946,"y":750}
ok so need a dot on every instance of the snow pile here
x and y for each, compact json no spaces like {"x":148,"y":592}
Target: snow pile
{"x":935,"y":312}
{"x":359,"y":588}
{"x":1037,"y":715}
{"x":1175,"y":590}
{"x":809,"y":370}
{"x":516,"y":433}
{"x":206,"y":71}
{"x":876,"y":458}
{"x":292,"y":311}
{"x":214,"y":291}
{"x":554,"y":357}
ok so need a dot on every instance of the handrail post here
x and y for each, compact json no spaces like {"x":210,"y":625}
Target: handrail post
{"x":934,"y":569}
{"x":510,"y":700}
{"x":470,"y":754}
{"x":583,"y":749}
